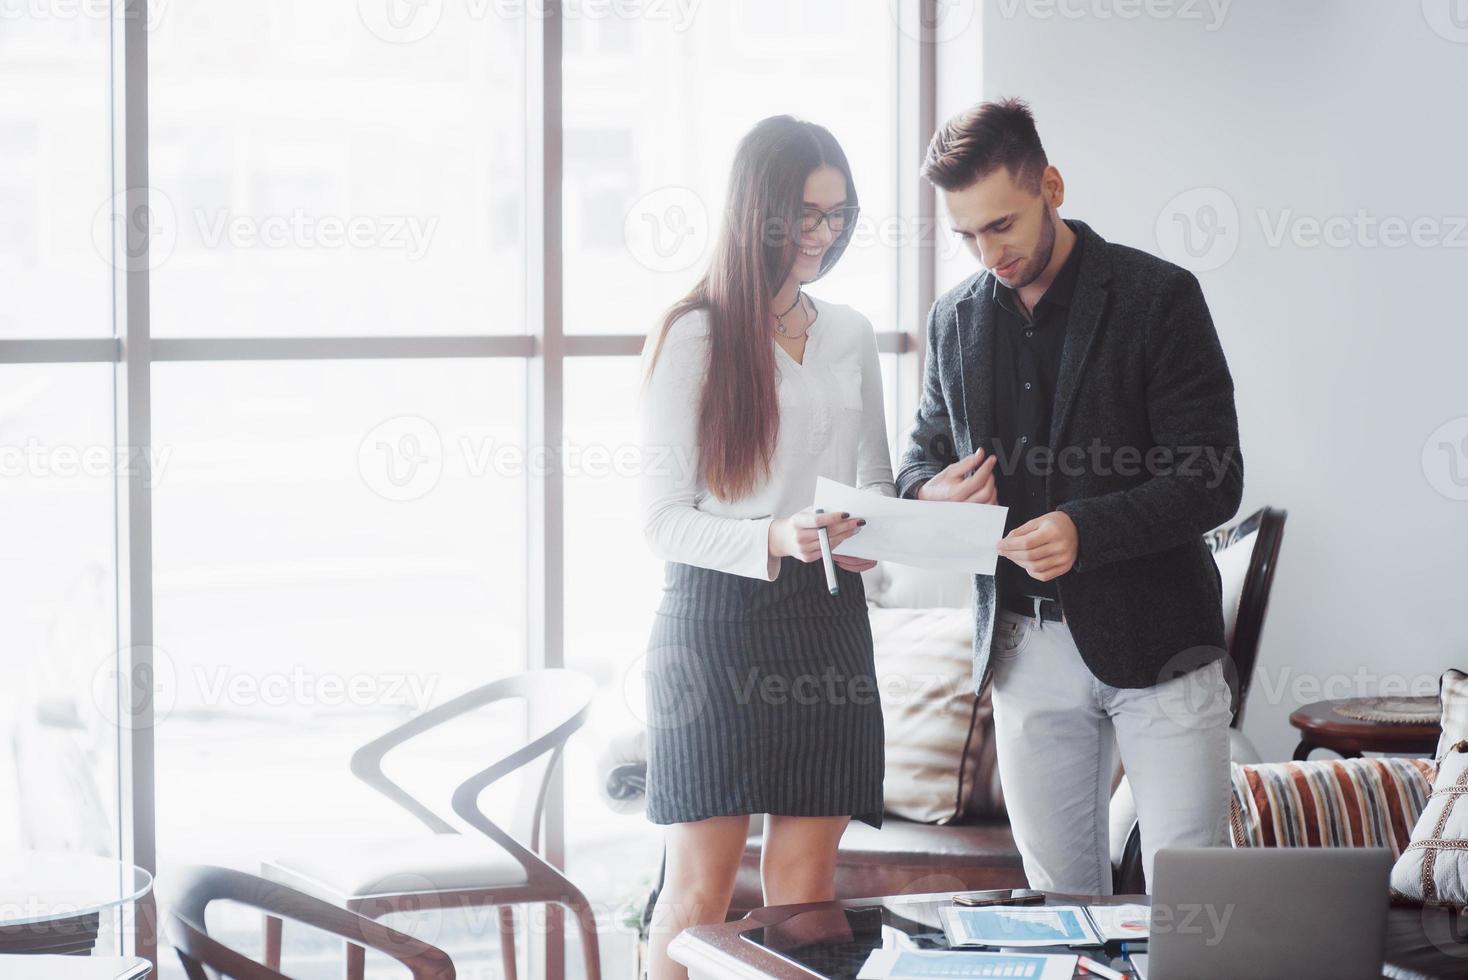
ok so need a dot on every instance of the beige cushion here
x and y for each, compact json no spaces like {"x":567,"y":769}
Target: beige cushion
{"x":397,"y":866}
{"x":892,"y":586}
{"x":924,"y":660}
{"x":1433,"y":870}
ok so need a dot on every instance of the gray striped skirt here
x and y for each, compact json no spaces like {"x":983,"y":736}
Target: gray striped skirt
{"x":762,"y":697}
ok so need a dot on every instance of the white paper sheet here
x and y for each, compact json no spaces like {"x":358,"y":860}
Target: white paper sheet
{"x":1132,"y":921}
{"x":903,"y":964}
{"x":942,"y":535}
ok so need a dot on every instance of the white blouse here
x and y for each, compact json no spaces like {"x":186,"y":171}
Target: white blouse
{"x":832,"y":424}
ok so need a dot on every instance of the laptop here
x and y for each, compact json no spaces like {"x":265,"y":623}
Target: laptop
{"x":1278,"y":913}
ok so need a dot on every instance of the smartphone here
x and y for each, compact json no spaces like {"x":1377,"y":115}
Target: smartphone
{"x":1000,"y":896}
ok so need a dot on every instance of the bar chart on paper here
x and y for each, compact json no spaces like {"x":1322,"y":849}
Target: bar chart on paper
{"x":911,"y":964}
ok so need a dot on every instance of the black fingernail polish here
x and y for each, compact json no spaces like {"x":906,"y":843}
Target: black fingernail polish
{"x":862,"y":522}
{"x":844,"y":514}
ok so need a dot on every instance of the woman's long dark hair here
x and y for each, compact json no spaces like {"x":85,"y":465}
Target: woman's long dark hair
{"x":738,"y":416}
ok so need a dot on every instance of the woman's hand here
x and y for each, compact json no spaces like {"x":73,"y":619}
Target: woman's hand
{"x":968,"y":480}
{"x":796,"y":535}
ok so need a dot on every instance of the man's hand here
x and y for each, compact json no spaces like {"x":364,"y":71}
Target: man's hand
{"x":1044,"y":547}
{"x":968,"y":480}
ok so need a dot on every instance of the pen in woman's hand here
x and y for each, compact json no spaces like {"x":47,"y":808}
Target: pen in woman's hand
{"x":834,"y":588}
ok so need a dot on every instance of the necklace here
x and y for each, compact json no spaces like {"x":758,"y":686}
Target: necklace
{"x":780,"y":317}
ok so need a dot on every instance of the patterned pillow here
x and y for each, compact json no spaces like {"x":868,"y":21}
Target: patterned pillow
{"x":1452,"y":690}
{"x":1434,"y":868}
{"x":1330,"y":803}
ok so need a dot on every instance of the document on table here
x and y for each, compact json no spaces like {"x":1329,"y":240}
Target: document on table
{"x":942,"y":535}
{"x":1131,"y":921}
{"x":1018,"y":925}
{"x":946,"y":964}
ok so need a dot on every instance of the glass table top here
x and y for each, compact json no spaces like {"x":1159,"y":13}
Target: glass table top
{"x":834,"y":942}
{"x":44,"y":886}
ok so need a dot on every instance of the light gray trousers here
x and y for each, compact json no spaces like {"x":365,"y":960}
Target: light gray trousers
{"x":1055,"y":726}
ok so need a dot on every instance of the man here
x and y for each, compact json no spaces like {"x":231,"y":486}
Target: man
{"x":1081,"y":384}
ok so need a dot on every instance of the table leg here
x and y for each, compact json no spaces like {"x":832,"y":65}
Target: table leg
{"x":1303,"y":750}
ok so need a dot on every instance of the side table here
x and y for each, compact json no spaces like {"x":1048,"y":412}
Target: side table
{"x":1323,"y":727}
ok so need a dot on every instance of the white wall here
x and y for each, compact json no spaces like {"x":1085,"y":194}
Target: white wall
{"x":1346,"y":359}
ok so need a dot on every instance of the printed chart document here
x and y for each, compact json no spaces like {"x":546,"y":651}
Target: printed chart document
{"x":1130,"y":921}
{"x":1018,"y":925}
{"x":937,"y":534}
{"x":945,"y":964}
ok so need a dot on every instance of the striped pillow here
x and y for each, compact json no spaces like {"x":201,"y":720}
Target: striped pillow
{"x":1371,"y":802}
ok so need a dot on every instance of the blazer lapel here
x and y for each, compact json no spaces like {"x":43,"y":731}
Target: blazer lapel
{"x":1087,"y":307}
{"x":975,"y":321}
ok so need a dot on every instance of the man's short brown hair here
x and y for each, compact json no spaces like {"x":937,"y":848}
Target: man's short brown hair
{"x":978,"y":141}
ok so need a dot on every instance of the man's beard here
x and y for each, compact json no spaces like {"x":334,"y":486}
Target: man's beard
{"x":1044,"y":252}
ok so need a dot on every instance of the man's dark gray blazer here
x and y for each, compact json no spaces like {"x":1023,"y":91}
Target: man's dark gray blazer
{"x":1141,"y":368}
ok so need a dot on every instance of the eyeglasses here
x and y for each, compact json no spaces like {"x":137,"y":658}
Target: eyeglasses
{"x":836,"y":218}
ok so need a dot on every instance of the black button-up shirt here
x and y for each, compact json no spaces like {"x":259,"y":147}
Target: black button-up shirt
{"x":1026,"y":368}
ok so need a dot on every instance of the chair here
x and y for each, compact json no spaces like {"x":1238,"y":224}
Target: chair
{"x":1255,"y":541}
{"x":187,"y":933}
{"x":1247,"y":553}
{"x":449,"y":869}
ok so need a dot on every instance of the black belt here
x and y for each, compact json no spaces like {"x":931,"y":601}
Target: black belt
{"x":1024,"y":605}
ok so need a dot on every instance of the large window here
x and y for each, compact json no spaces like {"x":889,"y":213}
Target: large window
{"x":653,"y":109}
{"x":321,"y":318}
{"x":58,"y":709}
{"x":331,"y":557}
{"x":318,"y":171}
{"x":54,"y":172}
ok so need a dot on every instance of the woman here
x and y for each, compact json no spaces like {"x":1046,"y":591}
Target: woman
{"x":761,"y":692}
